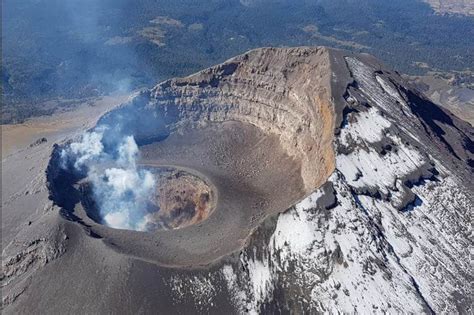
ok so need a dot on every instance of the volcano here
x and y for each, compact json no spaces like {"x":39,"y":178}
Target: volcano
{"x":298,"y":180}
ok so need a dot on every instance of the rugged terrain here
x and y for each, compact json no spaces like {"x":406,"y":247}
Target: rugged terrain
{"x":75,"y":49}
{"x":456,"y":98}
{"x":464,"y":7}
{"x":338,"y":189}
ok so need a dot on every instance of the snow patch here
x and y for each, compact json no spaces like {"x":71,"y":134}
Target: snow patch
{"x":389,"y":89}
{"x":238,"y":296}
{"x":367,"y":168}
{"x":374,"y":87}
{"x":369,"y":127}
{"x":261,"y":281}
{"x":200,"y":288}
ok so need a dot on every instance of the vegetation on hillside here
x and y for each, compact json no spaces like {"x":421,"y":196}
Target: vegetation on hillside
{"x":81,"y":48}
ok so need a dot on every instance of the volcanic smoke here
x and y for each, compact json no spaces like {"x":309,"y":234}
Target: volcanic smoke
{"x":121,"y":190}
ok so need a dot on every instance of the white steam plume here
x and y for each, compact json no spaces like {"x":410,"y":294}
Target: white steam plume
{"x":121,"y":190}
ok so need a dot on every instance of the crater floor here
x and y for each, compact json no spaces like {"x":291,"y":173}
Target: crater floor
{"x":251,"y":176}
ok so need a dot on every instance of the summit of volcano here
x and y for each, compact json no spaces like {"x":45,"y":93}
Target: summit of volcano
{"x":303,"y":179}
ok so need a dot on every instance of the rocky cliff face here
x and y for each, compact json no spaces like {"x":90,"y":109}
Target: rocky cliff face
{"x":381,"y":178}
{"x":285,"y":92}
{"x":389,"y":230}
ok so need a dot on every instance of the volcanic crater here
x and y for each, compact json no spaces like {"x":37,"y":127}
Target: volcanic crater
{"x":180,"y":198}
{"x":229,"y":146}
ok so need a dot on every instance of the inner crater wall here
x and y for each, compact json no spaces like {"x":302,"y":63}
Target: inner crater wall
{"x":285,"y":92}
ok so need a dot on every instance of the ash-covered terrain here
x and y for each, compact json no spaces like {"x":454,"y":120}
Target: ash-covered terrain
{"x":285,"y":180}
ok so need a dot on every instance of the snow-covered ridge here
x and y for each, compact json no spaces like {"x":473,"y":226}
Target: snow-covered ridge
{"x":394,"y":240}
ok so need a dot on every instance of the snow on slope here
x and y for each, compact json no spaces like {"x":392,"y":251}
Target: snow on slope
{"x":394,"y":236}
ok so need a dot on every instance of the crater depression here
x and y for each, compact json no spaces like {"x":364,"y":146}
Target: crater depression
{"x":179,"y":199}
{"x":183,"y":173}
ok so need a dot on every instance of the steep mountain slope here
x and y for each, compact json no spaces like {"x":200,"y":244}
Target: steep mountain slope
{"x":381,"y":178}
{"x":457,"y":99}
{"x":389,"y":231}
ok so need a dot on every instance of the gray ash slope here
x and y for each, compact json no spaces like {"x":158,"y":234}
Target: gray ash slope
{"x":389,"y":230}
